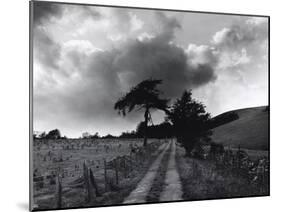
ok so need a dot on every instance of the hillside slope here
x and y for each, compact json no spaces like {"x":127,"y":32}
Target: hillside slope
{"x":250,"y":131}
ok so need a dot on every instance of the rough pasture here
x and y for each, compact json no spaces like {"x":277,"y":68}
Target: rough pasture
{"x":65,"y":158}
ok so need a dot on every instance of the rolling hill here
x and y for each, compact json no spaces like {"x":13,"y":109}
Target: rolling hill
{"x":250,"y":130}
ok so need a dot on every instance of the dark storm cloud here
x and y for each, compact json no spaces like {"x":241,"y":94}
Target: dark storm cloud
{"x":104,"y":76}
{"x":203,"y":74}
{"x":46,"y":11}
{"x":138,"y":60}
{"x":107,"y":75}
{"x":43,"y":11}
{"x":46,"y":50}
{"x":156,"y":58}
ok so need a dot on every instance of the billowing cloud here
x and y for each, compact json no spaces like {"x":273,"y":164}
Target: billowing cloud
{"x":242,"y":66}
{"x":202,"y":54}
{"x":156,"y":58}
{"x":46,"y":50}
{"x":242,"y":34}
{"x":48,"y":12}
{"x":85,"y":58}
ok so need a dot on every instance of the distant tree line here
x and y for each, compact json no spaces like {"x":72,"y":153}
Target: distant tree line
{"x":53,"y":134}
{"x":162,"y":130}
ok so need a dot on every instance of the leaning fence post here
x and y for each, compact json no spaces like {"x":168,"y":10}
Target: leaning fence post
{"x":87,"y":183}
{"x":93,"y":181}
{"x":59,"y":192}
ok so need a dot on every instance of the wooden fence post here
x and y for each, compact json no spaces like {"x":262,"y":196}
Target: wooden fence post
{"x":126,"y":167}
{"x":116,"y":171}
{"x":87,"y":182}
{"x":59,"y":193}
{"x":130,"y":164}
{"x":105,"y":176}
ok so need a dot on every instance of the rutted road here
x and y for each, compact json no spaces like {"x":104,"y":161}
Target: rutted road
{"x":140,"y":193}
{"x":171,"y":190}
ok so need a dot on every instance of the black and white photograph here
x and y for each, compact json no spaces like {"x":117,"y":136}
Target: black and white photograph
{"x":139,"y":105}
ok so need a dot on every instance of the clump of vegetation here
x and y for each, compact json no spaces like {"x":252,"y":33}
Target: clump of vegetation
{"x":211,"y":179}
{"x":190,"y":121}
{"x":53,"y":134}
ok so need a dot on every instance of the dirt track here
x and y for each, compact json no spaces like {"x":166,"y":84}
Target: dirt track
{"x":170,"y":190}
{"x":173,"y":189}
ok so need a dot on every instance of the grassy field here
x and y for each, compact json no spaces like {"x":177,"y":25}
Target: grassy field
{"x":66,"y":158}
{"x":250,"y":131}
{"x":216,"y":178}
{"x":203,"y":179}
{"x":64,"y":161}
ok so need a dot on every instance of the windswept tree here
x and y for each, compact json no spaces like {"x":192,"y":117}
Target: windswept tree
{"x":190,"y":121}
{"x":144,"y":96}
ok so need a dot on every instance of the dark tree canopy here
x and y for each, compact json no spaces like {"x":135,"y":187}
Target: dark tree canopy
{"x":162,"y":130}
{"x":131,"y":134}
{"x":109,"y":136}
{"x":53,"y":134}
{"x":144,"y":96}
{"x":190,"y":121}
{"x":96,"y":135}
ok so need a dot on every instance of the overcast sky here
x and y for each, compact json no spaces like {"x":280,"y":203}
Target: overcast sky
{"x":86,"y":57}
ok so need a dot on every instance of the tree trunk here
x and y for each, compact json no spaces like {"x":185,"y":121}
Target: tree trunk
{"x":145,"y":126}
{"x":187,"y":153}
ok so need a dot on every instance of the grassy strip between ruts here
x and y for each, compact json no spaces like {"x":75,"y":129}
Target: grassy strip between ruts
{"x":201,"y":180}
{"x":159,"y":181}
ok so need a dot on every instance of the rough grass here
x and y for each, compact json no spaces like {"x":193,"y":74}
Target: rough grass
{"x":126,"y":185}
{"x":250,"y":131}
{"x":75,"y":197}
{"x":202,"y":180}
